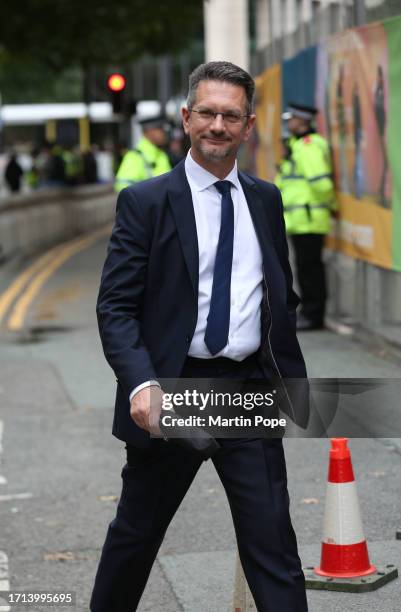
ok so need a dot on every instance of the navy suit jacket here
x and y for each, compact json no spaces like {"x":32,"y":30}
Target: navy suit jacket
{"x":148,"y":300}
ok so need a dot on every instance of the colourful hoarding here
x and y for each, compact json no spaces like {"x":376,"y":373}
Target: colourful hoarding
{"x":268,"y":121}
{"x":355,"y":81}
{"x":393,"y":30}
{"x":352,"y":93}
{"x":299,"y":78}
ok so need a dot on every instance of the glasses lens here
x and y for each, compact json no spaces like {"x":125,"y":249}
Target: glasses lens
{"x":209,"y":115}
{"x":232,"y":117}
{"x":206,"y":115}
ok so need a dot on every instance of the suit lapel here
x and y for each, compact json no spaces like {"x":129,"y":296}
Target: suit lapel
{"x":180,"y":198}
{"x":257,"y":208}
{"x":260,"y":219}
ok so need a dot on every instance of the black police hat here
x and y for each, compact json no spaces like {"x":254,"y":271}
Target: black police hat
{"x":153,"y":121}
{"x":300,"y":110}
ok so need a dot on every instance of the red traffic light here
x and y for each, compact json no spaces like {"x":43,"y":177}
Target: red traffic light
{"x":116,"y":82}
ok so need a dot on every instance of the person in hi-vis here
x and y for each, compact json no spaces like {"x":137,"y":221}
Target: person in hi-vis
{"x":148,"y":158}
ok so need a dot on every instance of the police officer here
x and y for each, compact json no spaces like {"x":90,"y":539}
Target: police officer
{"x":148,"y":158}
{"x":306,"y":182}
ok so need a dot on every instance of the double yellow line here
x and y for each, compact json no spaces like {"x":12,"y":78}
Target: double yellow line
{"x":16,"y":300}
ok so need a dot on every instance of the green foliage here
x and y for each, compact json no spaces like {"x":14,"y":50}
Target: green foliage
{"x":46,"y":46}
{"x":61,"y":33}
{"x":30,"y":82}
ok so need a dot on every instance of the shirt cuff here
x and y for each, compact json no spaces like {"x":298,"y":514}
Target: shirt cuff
{"x":148,"y":383}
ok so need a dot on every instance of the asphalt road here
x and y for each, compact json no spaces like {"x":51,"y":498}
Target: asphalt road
{"x":60,"y":466}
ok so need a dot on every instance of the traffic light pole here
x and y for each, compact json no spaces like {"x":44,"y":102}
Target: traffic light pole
{"x":84,"y":122}
{"x":164,"y":81}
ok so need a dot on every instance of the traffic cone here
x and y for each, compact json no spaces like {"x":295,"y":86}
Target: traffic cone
{"x":344,"y":548}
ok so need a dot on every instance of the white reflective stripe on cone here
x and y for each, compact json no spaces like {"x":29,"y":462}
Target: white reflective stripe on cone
{"x":342,"y":518}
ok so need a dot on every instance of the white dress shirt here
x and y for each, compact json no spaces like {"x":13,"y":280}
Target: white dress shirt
{"x":246,"y":274}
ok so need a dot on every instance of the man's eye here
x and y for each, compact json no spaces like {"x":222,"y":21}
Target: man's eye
{"x":232,"y":117}
{"x":206,"y":114}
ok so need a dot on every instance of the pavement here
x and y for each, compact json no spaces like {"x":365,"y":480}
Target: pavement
{"x":60,"y":466}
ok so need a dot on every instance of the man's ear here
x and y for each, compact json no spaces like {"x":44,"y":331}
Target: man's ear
{"x":185,"y":119}
{"x":249,"y":127}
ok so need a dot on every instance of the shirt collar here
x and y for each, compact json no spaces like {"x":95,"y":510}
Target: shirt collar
{"x":202,"y":179}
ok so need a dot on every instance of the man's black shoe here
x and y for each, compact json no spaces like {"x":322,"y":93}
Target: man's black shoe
{"x":304,"y":324}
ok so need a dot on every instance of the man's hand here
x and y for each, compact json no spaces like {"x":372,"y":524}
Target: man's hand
{"x":146,"y":408}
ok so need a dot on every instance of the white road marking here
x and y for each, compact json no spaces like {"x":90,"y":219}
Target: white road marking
{"x":12,"y":496}
{"x":3,"y":479}
{"x":4,"y":581}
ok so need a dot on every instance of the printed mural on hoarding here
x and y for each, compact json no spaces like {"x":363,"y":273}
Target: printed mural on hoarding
{"x":354,"y":79}
{"x":268,"y":121}
{"x":352,"y":93}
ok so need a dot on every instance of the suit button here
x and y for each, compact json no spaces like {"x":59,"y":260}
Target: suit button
{"x":188,"y":338}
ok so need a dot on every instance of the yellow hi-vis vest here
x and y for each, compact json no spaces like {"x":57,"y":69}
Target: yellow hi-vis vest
{"x":306,"y":184}
{"x":143,"y":162}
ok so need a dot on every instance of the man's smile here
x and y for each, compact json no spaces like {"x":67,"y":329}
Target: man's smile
{"x":215,"y":140}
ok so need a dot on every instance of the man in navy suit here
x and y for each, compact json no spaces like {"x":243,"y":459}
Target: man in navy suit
{"x":197,"y":284}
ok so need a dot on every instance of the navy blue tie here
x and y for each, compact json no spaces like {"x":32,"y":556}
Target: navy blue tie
{"x":218,"y":320}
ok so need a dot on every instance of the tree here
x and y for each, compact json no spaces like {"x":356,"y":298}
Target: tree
{"x":63,"y":33}
{"x":47,"y":47}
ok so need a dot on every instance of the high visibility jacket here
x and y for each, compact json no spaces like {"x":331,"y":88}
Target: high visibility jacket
{"x":72,"y":164}
{"x":306,"y":184}
{"x":143,"y":162}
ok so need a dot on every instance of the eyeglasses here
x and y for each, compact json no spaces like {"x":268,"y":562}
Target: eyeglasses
{"x":208,"y":116}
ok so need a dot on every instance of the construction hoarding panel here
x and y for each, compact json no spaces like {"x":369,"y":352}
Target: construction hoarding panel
{"x":354,"y":79}
{"x":268,"y":122}
{"x":352,"y":94}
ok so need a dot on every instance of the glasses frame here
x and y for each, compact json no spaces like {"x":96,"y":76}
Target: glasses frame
{"x":216,"y":114}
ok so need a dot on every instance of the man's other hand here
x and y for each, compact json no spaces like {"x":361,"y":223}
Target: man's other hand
{"x":146,"y":407}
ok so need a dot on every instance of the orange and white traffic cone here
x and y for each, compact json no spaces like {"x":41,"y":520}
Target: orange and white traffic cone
{"x":344,"y":548}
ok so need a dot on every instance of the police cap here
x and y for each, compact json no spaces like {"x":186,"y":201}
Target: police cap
{"x":153,"y":121}
{"x":299,"y":110}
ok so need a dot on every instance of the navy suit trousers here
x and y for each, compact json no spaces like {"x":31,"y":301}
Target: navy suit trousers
{"x":155,"y":481}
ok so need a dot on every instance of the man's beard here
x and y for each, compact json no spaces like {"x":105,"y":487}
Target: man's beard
{"x":215,"y":154}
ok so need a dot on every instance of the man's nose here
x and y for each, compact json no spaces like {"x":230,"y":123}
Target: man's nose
{"x":218,"y":124}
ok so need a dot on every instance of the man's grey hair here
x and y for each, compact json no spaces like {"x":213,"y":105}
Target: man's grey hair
{"x":225,"y":72}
